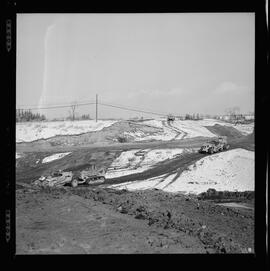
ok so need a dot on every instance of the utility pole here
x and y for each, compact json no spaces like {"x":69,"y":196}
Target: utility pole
{"x":96,"y":107}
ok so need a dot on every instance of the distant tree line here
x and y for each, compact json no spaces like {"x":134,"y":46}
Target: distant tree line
{"x":193,"y":117}
{"x":212,"y":194}
{"x":27,"y":115}
{"x":86,"y":117}
{"x":82,"y":117}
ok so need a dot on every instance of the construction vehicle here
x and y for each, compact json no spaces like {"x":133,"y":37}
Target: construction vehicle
{"x":90,"y":175}
{"x":170,"y":117}
{"x":215,"y":145}
{"x":57,"y":178}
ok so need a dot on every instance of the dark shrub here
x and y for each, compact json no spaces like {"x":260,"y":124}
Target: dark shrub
{"x":121,"y":139}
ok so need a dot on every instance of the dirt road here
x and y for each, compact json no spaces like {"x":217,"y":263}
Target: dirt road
{"x":44,"y":147}
{"x":30,"y":167}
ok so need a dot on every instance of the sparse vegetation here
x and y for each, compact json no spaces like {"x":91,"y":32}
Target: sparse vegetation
{"x":193,"y":117}
{"x":85,"y":117}
{"x":212,"y":194}
{"x":27,"y":115}
{"x":122,"y":139}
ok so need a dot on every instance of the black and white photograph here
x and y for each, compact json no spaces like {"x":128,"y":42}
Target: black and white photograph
{"x":135,"y":133}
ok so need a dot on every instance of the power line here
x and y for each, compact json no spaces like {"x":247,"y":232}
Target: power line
{"x":135,"y":110}
{"x":52,"y":105}
{"x":58,"y":106}
{"x":120,"y":105}
{"x":104,"y":104}
{"x":92,"y":103}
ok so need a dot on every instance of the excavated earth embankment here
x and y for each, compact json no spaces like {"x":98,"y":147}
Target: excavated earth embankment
{"x":87,"y":220}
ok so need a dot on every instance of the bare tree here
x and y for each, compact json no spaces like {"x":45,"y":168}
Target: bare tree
{"x":73,"y":108}
{"x":232,"y":111}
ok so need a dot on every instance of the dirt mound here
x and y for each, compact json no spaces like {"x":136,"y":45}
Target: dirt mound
{"x":151,"y":221}
{"x":245,"y":142}
{"x":202,"y":220}
{"x":250,"y":137}
{"x":106,"y":135}
{"x":58,"y":222}
{"x":226,"y":195}
{"x":221,"y":130}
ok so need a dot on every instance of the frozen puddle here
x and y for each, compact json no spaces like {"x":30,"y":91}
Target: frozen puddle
{"x":231,"y":170}
{"x":55,"y":156}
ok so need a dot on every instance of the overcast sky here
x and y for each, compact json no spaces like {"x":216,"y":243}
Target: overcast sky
{"x":179,"y":63}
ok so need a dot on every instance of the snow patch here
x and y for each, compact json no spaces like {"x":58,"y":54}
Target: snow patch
{"x":155,"y":182}
{"x":232,"y":171}
{"x":179,"y":129}
{"x":196,"y":128}
{"x":192,"y":129}
{"x":55,"y":156}
{"x":129,"y":163}
{"x":245,"y":129}
{"x":27,"y":132}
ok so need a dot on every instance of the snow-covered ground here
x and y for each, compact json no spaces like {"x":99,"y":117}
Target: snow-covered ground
{"x":179,"y":130}
{"x":192,"y":128}
{"x":185,"y":129}
{"x":232,"y":171}
{"x":166,"y":135}
{"x":18,"y":155}
{"x":197,"y":128}
{"x":55,"y":156}
{"x":245,"y":129}
{"x":30,"y":131}
{"x":128,"y":163}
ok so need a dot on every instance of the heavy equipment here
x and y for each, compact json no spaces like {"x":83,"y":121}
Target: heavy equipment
{"x":215,"y":145}
{"x":89,"y":175}
{"x":170,"y":117}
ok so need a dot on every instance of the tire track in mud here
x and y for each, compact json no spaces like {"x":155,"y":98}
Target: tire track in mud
{"x":174,"y":129}
{"x":169,"y":167}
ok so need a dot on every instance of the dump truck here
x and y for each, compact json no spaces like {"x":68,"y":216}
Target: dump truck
{"x":90,"y":175}
{"x":215,"y":145}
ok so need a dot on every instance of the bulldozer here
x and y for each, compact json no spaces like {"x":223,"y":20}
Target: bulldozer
{"x":89,"y":176}
{"x":215,"y":145}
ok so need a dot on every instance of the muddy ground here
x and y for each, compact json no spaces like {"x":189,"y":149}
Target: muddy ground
{"x":101,"y":220}
{"x":30,"y":167}
{"x":98,"y":220}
